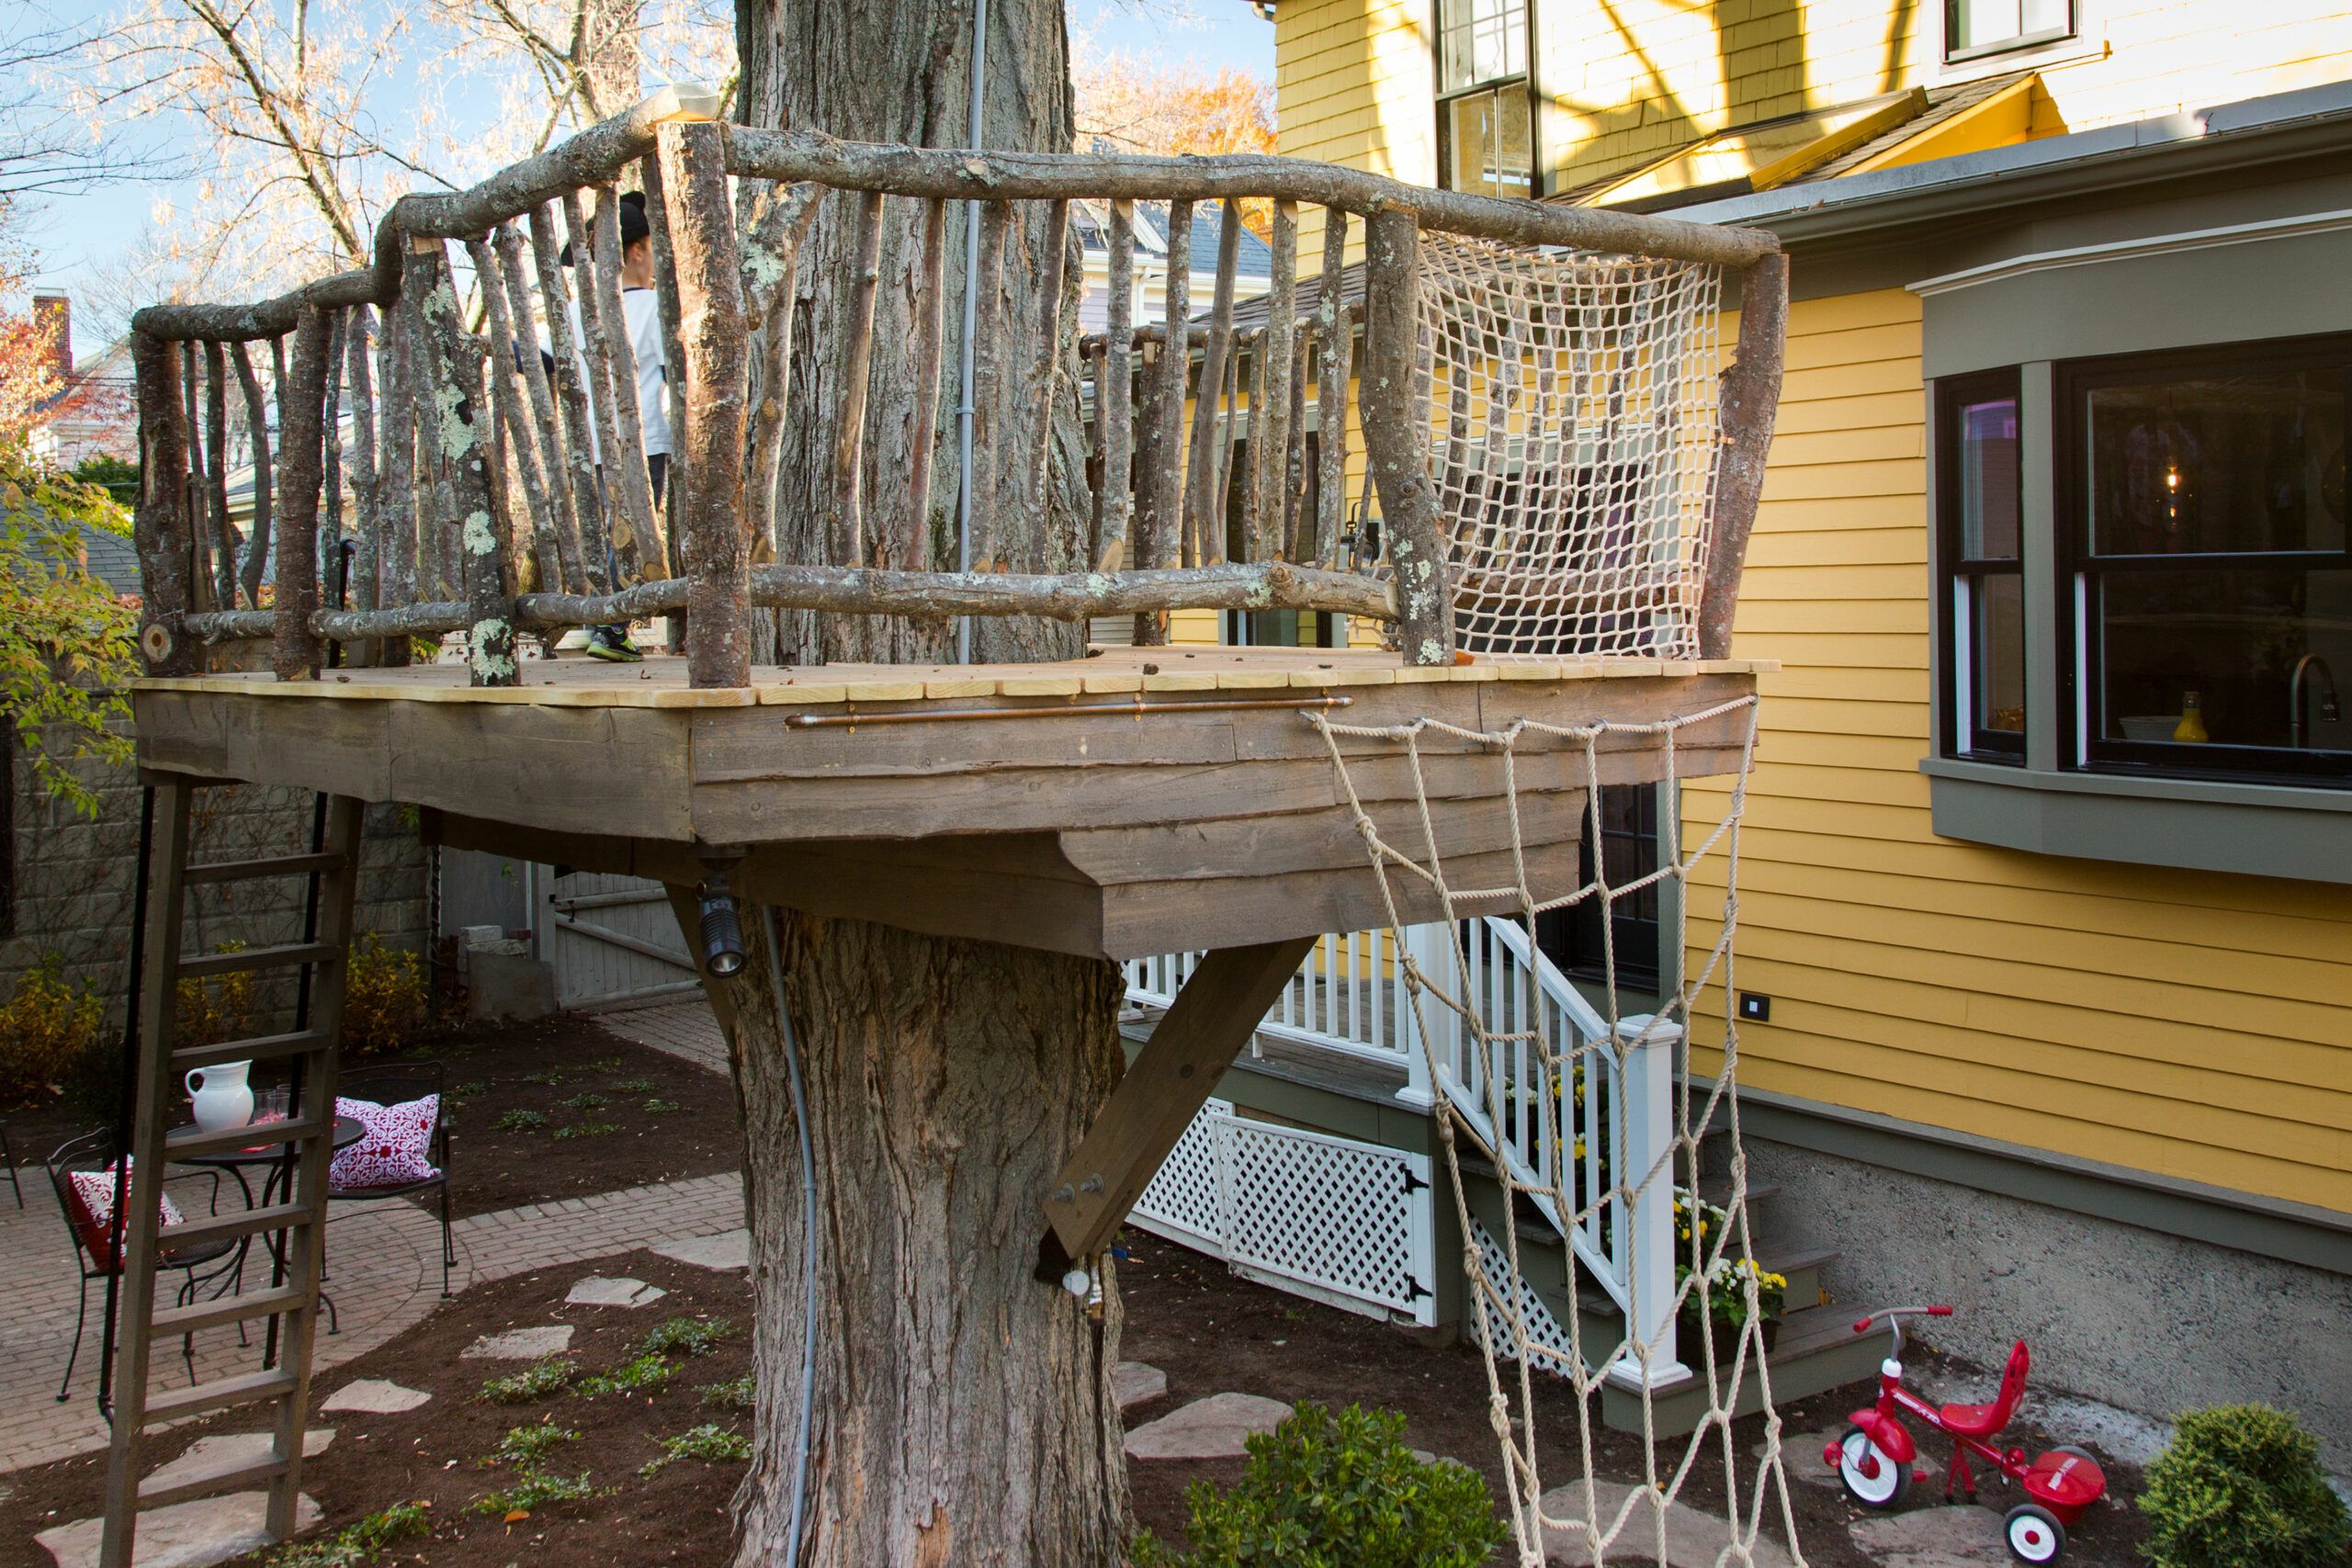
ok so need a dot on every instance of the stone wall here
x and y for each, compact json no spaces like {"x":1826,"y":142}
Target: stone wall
{"x":2156,"y":1323}
{"x":73,"y":877}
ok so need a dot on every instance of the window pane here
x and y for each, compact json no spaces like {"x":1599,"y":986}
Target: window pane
{"x":2233,"y":641}
{"x":1487,"y":133}
{"x":2238,"y":461}
{"x":1997,"y":641}
{"x":1484,"y":40}
{"x":1988,"y":479}
{"x":1973,"y":24}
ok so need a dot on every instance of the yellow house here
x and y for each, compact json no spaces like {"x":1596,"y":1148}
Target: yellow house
{"x":2045,"y":938}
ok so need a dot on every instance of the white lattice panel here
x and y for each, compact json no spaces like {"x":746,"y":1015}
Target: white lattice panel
{"x":1542,"y":1328}
{"x":1185,"y":1200}
{"x":1329,"y":1216}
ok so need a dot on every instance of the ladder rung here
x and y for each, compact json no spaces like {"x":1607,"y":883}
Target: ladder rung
{"x":228,"y":1227}
{"x":219,"y":1394}
{"x":261,"y":958}
{"x":258,"y":1048}
{"x":244,"y":1472}
{"x":257,"y":1136}
{"x":247,"y":870}
{"x":195,"y":1319}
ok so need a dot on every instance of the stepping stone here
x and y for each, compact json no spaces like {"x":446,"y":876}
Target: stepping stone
{"x":1694,"y":1539}
{"x":207,"y":1456}
{"x":1207,"y":1428}
{"x":1136,"y":1383}
{"x":1934,"y":1536}
{"x":599,"y":1291}
{"x":374,"y":1397}
{"x":1800,"y":1456}
{"x":727,"y":1249}
{"x":185,"y":1535}
{"x":519,"y":1344}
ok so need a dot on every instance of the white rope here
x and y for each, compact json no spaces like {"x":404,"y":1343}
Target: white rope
{"x":1508,"y":1063}
{"x":1572,"y":401}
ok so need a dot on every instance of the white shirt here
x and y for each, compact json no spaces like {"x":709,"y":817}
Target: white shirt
{"x":641,"y":308}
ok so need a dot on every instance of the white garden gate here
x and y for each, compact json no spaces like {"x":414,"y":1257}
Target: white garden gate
{"x":611,"y":940}
{"x":1344,"y":1222}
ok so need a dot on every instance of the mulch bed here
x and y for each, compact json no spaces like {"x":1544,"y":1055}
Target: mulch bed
{"x":661,"y":1118}
{"x":433,"y":1454}
{"x":1209,"y":1331}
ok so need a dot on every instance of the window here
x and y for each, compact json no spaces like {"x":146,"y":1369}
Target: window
{"x":1980,"y":528}
{"x":1486,"y":102}
{"x":1572,"y":937}
{"x":2203,"y":511}
{"x":1977,"y":28}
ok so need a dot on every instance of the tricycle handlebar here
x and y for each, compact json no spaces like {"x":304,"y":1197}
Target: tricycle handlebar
{"x":1862,"y":1326}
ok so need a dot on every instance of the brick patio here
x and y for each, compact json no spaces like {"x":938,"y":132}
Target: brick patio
{"x":383,"y":1268}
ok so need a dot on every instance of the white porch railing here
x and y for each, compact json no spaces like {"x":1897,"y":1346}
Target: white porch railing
{"x":1610,"y":1126}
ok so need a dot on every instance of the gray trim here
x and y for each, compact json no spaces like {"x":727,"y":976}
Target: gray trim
{"x":2195,"y":824}
{"x":2286,"y":286}
{"x":2038,"y":546}
{"x":2268,"y":1227}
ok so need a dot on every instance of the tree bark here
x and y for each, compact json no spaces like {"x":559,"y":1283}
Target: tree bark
{"x":962,"y":1410}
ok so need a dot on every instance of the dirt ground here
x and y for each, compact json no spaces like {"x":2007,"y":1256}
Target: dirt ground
{"x":1209,"y":1331}
{"x":637,"y":1115}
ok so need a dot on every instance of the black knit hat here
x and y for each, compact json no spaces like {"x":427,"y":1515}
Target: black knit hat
{"x":633,"y":224}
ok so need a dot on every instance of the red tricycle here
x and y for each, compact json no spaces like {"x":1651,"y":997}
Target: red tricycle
{"x":1874,"y":1458}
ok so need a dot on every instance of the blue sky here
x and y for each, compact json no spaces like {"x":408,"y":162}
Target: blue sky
{"x":76,"y":232}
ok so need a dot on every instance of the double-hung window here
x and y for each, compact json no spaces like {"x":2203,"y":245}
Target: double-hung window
{"x":1973,"y":28}
{"x":1486,"y":105}
{"x":1981,"y":532}
{"x":2202,"y":509}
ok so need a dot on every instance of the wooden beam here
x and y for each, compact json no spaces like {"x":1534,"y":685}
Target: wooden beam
{"x":709,"y":506}
{"x":1749,"y":404}
{"x":1212,"y":1018}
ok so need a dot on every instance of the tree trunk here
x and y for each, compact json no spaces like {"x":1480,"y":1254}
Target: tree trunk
{"x":962,"y":1410}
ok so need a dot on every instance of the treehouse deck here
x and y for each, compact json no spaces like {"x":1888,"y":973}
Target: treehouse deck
{"x":1136,"y":802}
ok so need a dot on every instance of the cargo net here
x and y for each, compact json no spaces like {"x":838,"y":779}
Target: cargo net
{"x":1572,"y":400}
{"x":1586,"y":1116}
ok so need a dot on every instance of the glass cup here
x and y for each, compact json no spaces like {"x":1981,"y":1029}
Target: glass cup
{"x":272,"y":1104}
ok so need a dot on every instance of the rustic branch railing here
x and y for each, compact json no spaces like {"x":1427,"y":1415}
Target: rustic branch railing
{"x":484,"y":503}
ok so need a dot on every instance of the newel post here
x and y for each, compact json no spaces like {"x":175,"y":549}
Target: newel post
{"x":459,"y":422}
{"x":160,"y":527}
{"x":709,"y":502}
{"x":1395,"y":436}
{"x":1645,"y":1163}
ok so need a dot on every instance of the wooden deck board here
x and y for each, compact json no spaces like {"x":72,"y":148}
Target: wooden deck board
{"x":1039,"y":805}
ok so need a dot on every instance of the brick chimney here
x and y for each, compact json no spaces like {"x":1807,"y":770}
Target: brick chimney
{"x":53,"y":314}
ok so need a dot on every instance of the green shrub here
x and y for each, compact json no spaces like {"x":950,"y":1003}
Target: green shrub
{"x":535,"y":1489}
{"x":49,"y":1029}
{"x":710,"y":1443}
{"x":694,"y":1335}
{"x":647,"y":1372}
{"x":1324,"y":1491}
{"x":538,"y":1381}
{"x":587,"y":1129}
{"x":738,"y":1393}
{"x":519,"y":1120}
{"x":386,"y":1003}
{"x":2240,"y":1486}
{"x":361,"y":1541}
{"x":524,"y":1446}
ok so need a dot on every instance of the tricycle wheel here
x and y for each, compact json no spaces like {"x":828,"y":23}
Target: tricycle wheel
{"x":1871,"y":1478}
{"x":2035,"y":1535}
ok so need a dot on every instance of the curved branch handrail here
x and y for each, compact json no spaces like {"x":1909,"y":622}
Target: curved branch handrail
{"x":600,"y":152}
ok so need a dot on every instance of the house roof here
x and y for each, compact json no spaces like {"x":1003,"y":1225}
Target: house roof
{"x":1253,"y":258}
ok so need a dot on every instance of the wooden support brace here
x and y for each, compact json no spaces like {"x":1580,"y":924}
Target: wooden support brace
{"x":1213,"y":1017}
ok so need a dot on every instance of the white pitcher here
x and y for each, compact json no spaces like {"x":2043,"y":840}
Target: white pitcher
{"x":220,"y":1095}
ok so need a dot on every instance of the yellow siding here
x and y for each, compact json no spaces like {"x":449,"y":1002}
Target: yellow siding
{"x":2194,"y":1025}
{"x":1626,"y":80}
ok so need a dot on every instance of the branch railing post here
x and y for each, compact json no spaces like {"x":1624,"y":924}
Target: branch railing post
{"x":1748,"y":405}
{"x":460,"y":422}
{"x":1395,"y":436}
{"x":708,"y":507}
{"x":294,"y":651}
{"x":166,"y":552}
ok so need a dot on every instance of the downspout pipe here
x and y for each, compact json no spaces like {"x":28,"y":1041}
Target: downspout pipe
{"x":965,"y":409}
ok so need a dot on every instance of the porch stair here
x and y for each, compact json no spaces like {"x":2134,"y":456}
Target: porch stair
{"x":1816,"y":1348}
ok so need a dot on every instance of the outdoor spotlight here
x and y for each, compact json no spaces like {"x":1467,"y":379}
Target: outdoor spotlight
{"x":723,"y":927}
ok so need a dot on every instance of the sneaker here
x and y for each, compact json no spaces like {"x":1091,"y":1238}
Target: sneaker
{"x":611,"y":644}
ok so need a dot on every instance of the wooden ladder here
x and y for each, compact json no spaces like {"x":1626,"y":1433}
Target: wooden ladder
{"x":295,"y":1223}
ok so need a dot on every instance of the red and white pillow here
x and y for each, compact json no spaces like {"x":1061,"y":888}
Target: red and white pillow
{"x":94,"y":1190}
{"x":394,"y":1151}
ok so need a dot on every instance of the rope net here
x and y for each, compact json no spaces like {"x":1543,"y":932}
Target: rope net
{"x":1589,"y":1122}
{"x":1572,"y":404}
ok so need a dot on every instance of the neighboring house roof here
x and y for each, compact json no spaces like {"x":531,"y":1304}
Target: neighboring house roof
{"x":1253,"y":258}
{"x":110,"y":557}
